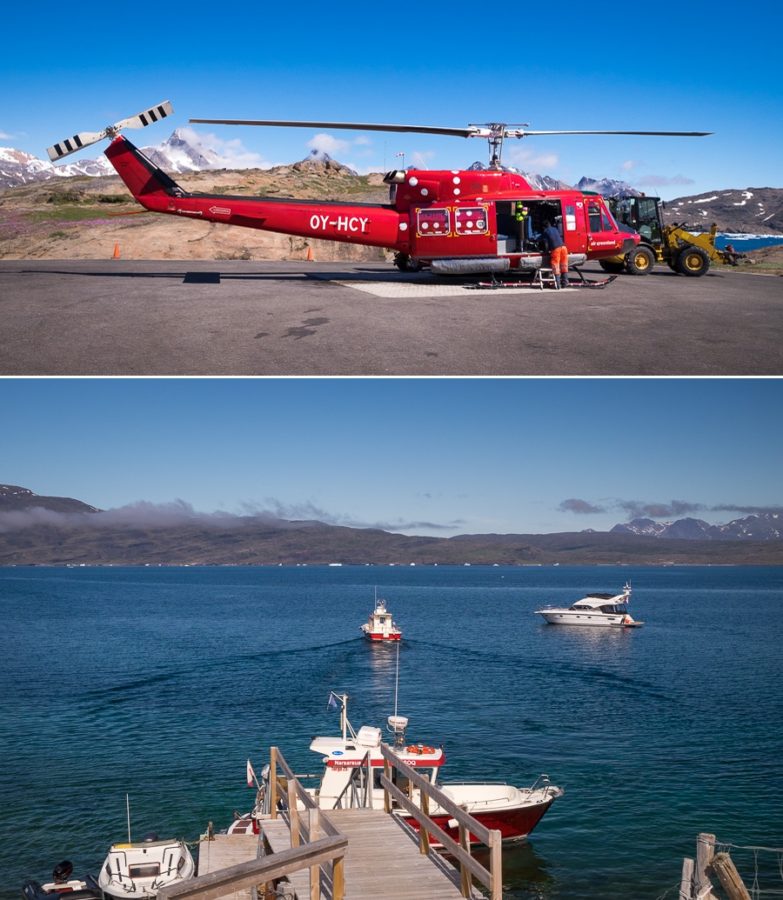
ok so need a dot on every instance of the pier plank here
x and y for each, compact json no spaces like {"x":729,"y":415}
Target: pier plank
{"x":382,"y":861}
{"x":226,"y":850}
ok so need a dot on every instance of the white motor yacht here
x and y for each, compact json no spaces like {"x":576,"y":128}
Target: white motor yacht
{"x":594,"y":609}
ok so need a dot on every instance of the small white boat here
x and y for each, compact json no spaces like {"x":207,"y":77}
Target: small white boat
{"x":515,"y":811}
{"x":141,"y":868}
{"x":63,"y":885}
{"x":594,"y":609}
{"x":381,"y":625}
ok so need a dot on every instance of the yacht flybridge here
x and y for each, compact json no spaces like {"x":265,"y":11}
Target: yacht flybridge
{"x":594,"y":609}
{"x":352,"y":766}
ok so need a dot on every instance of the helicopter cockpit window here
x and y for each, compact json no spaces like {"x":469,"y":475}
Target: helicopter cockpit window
{"x":597,"y":217}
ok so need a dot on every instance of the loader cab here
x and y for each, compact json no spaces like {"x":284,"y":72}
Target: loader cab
{"x":643,"y":214}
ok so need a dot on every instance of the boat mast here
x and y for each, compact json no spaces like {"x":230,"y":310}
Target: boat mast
{"x":127,"y":812}
{"x":396,"y":678}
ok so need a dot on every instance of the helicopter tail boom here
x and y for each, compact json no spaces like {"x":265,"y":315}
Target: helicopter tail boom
{"x":156,"y":191}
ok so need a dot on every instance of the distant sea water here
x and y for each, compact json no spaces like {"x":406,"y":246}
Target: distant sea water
{"x":160,"y":683}
{"x":743,"y":243}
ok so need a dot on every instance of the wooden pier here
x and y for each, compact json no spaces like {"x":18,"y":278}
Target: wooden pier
{"x":382,"y":860}
{"x":222,"y":851}
{"x":350,"y":853}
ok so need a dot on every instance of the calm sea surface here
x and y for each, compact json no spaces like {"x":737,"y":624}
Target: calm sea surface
{"x":161,"y":682}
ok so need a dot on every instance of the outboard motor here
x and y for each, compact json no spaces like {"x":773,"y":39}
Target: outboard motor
{"x":62,"y":871}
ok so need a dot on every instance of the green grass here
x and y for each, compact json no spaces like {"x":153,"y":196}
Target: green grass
{"x":67,"y":214}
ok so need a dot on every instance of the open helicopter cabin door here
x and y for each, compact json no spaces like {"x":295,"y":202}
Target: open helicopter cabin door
{"x":520,"y":223}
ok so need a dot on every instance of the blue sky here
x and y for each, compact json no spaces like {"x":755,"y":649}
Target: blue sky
{"x":68,"y":68}
{"x":431,"y":456}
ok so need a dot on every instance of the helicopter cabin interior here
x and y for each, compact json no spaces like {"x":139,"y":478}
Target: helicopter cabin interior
{"x":516,"y":236}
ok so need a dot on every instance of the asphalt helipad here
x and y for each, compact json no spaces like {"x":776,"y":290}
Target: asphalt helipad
{"x":134,"y":317}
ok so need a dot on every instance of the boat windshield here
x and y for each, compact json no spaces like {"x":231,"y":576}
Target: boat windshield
{"x":144,"y":870}
{"x":615,"y":608}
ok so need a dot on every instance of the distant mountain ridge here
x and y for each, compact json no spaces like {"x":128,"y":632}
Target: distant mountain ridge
{"x":16,"y":499}
{"x":756,"y":527}
{"x":36,"y":530}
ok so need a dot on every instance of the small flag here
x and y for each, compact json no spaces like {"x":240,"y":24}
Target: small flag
{"x":251,"y":775}
{"x":332,"y":702}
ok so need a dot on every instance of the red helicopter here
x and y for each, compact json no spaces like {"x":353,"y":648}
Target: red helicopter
{"x":454,"y":222}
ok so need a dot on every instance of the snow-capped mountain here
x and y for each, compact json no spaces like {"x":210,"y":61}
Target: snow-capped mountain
{"x":536,"y":181}
{"x":752,"y":211}
{"x":181,"y":152}
{"x":608,"y":187}
{"x":18,"y":167}
{"x":757,"y":527}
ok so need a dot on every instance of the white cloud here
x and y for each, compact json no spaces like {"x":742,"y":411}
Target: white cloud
{"x":527,"y":159}
{"x":4,"y":136}
{"x":629,"y":164}
{"x":233,"y":154}
{"x":328,"y":143}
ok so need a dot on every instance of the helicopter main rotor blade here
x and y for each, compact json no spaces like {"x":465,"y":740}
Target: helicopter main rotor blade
{"x":525,"y":133}
{"x":352,"y":126}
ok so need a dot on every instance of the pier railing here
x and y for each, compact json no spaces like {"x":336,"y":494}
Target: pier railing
{"x":491,"y":878}
{"x":305,"y":825}
{"x":315,"y":845}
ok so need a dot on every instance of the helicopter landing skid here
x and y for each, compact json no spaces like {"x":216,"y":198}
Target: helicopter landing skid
{"x":495,"y":284}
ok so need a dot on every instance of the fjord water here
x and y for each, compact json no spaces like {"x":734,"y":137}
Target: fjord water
{"x":161,"y":682}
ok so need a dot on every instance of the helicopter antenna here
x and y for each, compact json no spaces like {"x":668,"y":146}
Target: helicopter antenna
{"x":494,"y":132}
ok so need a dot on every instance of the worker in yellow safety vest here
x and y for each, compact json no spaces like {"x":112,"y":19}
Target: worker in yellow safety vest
{"x":521,"y":213}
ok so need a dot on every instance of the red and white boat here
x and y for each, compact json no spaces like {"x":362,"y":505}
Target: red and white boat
{"x":514,"y":811}
{"x":381,"y":626}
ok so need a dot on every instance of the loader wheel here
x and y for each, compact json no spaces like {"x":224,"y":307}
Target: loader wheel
{"x":639,"y":261}
{"x":611,"y":265}
{"x":693,"y":261}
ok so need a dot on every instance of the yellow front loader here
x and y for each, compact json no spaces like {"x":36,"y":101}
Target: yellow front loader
{"x":683,"y":251}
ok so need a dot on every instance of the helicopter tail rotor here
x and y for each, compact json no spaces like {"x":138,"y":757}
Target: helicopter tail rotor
{"x":85,"y":138}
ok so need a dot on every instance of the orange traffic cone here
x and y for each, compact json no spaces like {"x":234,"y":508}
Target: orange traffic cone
{"x":309,"y":256}
{"x":116,"y":254}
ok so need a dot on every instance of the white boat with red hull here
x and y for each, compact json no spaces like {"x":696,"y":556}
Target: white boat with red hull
{"x":352,"y":757}
{"x":380,"y":626}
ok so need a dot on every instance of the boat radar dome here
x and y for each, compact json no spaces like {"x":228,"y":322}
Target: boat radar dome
{"x":397,"y":724}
